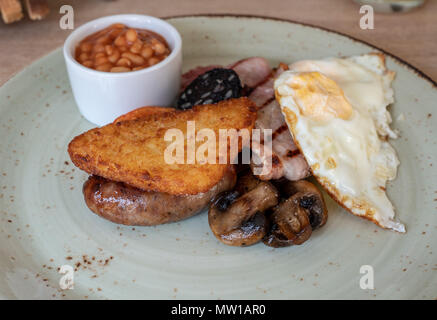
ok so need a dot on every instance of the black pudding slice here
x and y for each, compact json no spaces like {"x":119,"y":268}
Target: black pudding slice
{"x":211,"y":87}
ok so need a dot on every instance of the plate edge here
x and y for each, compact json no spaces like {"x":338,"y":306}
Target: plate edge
{"x":399,"y":60}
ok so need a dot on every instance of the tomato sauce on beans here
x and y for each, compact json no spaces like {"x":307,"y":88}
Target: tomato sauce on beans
{"x":119,"y":48}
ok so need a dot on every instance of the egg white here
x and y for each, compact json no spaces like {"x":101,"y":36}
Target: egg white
{"x":348,"y":152}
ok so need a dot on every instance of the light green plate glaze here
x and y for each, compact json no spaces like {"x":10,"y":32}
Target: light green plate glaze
{"x":45,"y":223}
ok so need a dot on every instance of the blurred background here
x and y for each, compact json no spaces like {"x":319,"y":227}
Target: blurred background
{"x":33,"y":25}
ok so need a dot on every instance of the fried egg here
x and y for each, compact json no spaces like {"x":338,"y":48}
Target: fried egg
{"x":336,"y":110}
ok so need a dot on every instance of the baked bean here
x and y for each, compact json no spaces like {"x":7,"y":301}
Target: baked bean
{"x":101,"y":60}
{"x":131,"y":35}
{"x":153,"y":60}
{"x":147,"y":52}
{"x":120,"y":41}
{"x":86,"y":47}
{"x":83,"y":57}
{"x":98,"y":48}
{"x":88,"y":64}
{"x":115,"y":33}
{"x":124,"y":62}
{"x":99,"y":55}
{"x":104,"y":67}
{"x":136,"y":46}
{"x":113,"y":58}
{"x":104,"y":39}
{"x":159,"y":48}
{"x":119,"y":48}
{"x":109,"y":49}
{"x":137,"y":60}
{"x":120,"y":69}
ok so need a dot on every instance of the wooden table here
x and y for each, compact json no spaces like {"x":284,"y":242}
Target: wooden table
{"x":411,"y":36}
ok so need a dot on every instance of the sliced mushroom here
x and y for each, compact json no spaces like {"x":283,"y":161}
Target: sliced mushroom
{"x":250,"y":232}
{"x":310,"y":199}
{"x":290,"y":224}
{"x":237,"y":219}
{"x":229,"y":212}
{"x":246,"y":182}
{"x":294,"y":219}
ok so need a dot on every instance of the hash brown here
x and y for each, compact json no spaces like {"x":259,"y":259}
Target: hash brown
{"x":133,"y":151}
{"x":143,"y":112}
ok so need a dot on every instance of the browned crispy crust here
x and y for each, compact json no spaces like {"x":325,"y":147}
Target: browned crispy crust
{"x":133,"y":151}
{"x":143,"y":112}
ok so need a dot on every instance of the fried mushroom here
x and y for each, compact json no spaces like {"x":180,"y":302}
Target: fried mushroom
{"x":250,"y":232}
{"x":294,"y":219}
{"x":290,"y":224}
{"x":246,"y":182}
{"x":237,"y":219}
{"x":310,"y":199}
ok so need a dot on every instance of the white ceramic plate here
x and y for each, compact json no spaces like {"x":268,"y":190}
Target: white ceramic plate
{"x":45,"y":223}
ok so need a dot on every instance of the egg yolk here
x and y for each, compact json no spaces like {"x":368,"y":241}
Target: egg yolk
{"x":319,"y":97}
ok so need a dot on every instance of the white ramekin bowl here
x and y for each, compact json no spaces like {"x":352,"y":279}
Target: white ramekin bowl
{"x":103,"y":96}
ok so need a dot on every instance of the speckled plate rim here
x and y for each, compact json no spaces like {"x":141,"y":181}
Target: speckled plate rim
{"x":401,"y":61}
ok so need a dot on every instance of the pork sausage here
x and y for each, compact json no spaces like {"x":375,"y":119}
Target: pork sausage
{"x":123,"y":204}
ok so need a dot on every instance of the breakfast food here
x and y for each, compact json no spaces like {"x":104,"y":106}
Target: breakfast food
{"x":133,"y":151}
{"x":212,"y":86}
{"x":279,"y":213}
{"x":309,"y":198}
{"x":301,"y":211}
{"x":237,"y":218}
{"x":192,"y":74}
{"x":119,"y":48}
{"x":285,"y":159}
{"x":366,"y":82}
{"x":336,"y":111}
{"x":121,"y":203}
{"x":257,"y":79}
{"x":328,"y":117}
{"x":142,"y":112}
{"x":251,"y":71}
